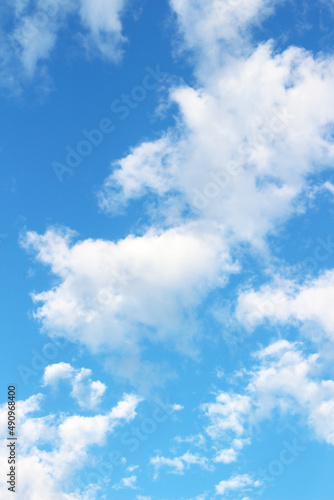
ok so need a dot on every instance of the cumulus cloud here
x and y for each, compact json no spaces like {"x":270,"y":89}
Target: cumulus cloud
{"x":86,"y":392}
{"x":54,"y":448}
{"x":245,"y":145}
{"x":56,"y":372}
{"x":120,"y":294}
{"x":289,"y":302}
{"x":248,"y":137}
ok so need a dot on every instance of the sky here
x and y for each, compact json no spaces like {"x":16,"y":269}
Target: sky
{"x":167,"y":249}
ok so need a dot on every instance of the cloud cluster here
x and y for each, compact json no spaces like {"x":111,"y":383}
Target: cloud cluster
{"x":54,"y":448}
{"x":248,"y":138}
{"x":284,"y":381}
{"x":245,"y":146}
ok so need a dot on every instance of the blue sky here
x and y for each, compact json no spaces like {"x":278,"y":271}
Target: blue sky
{"x":166,"y":248}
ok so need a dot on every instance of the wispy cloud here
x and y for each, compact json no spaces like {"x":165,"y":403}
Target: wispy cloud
{"x":180,"y":464}
{"x":36,"y":26}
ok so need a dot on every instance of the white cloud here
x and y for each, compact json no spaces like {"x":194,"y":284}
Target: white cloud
{"x":328,"y":186}
{"x":114,"y":290}
{"x":177,"y":407}
{"x":119,"y":295}
{"x":196,"y":440}
{"x":178,"y":465}
{"x":131,"y":468}
{"x":86,"y":392}
{"x":127,"y":482}
{"x":226,"y":456}
{"x":56,"y":372}
{"x":33,"y":43}
{"x":284,"y":381}
{"x":228,"y":423}
{"x":208,"y":26}
{"x":235,"y":483}
{"x":246,"y":141}
{"x":248,"y":138}
{"x":26,"y":407}
{"x":103,"y":20}
{"x":33,"y":36}
{"x":229,"y":455}
{"x":227,"y":414}
{"x":53,"y":449}
{"x":288,"y":380}
{"x":38,"y":24}
{"x":290,"y":302}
